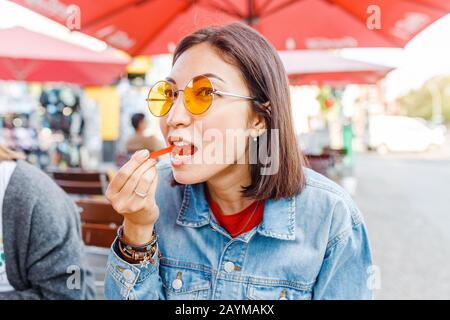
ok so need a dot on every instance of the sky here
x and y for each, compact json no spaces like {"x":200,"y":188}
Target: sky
{"x":425,"y":56}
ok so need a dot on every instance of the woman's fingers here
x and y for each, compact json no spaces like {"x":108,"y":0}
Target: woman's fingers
{"x":143,"y":186}
{"x":132,"y":192}
{"x":126,"y":172}
{"x":154,"y":183}
{"x":8,"y":154}
{"x":130,"y":186}
{"x":126,"y":200}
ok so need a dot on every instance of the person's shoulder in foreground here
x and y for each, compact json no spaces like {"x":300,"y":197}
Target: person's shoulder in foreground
{"x":334,"y":223}
{"x":329,"y":201}
{"x":42,"y":238}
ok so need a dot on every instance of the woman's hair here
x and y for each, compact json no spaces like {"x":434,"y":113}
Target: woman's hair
{"x":266,"y":79}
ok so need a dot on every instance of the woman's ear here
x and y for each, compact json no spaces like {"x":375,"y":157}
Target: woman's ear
{"x":258,"y":125}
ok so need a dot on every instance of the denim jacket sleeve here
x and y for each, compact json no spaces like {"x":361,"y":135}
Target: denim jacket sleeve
{"x":132,"y":281}
{"x":345,"y":269}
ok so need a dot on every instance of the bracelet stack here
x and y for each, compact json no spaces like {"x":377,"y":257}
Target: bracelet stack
{"x":138,"y":254}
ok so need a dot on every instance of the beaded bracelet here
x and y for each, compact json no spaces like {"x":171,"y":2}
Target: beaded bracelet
{"x":142,"y":248}
{"x":138,"y":254}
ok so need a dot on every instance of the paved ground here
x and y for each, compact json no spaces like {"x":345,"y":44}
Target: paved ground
{"x":406,"y":202}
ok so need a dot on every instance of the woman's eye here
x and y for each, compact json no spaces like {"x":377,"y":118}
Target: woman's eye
{"x":203,"y":92}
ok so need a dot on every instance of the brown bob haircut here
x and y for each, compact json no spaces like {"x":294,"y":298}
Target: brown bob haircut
{"x":265,"y":76}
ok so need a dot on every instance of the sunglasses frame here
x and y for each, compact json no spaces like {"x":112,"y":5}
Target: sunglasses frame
{"x":213,"y":93}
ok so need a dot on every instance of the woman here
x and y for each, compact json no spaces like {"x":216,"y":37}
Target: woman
{"x":40,"y":244}
{"x":239,"y":228}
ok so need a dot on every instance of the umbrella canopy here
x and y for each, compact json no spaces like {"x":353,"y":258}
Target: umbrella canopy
{"x":30,"y":56}
{"x":320,"y":68}
{"x":155,"y":26}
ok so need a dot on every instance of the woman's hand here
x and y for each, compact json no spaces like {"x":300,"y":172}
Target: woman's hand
{"x":132,"y":194}
{"x":8,"y":154}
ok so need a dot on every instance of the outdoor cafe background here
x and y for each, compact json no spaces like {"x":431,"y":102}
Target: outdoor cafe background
{"x":66,"y":99}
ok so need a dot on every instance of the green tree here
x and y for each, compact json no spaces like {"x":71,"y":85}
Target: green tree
{"x":434,"y":94}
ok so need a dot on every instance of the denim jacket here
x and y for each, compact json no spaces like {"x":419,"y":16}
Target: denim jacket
{"x":310,"y":246}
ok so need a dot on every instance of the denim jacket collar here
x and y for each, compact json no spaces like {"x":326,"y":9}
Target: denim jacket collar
{"x":278,"y":220}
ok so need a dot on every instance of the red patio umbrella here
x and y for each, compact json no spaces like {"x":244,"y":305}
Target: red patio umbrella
{"x":155,"y":26}
{"x":326,"y":68}
{"x":30,"y":56}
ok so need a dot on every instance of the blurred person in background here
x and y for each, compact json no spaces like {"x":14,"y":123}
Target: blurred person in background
{"x":41,"y":251}
{"x":139,"y":140}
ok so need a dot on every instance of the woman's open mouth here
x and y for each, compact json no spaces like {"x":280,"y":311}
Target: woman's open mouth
{"x":183,"y":152}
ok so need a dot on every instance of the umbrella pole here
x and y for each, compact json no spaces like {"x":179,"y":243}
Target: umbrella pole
{"x":250,"y":16}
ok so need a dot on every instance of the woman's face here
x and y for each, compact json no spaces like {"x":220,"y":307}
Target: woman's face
{"x":218,"y":134}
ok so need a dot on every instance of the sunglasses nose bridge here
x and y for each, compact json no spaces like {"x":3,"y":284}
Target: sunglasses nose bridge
{"x":176,"y":96}
{"x":176,"y":92}
{"x":176,"y":114}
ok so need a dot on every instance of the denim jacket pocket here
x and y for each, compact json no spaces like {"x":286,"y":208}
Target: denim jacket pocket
{"x":277,"y":292}
{"x":185,"y":284}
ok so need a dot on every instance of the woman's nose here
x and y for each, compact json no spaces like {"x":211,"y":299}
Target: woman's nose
{"x":178,"y":116}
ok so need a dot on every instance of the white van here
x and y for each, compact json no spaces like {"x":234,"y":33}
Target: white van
{"x":402,"y":134}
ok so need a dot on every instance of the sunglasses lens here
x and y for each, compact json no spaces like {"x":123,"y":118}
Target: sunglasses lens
{"x":198,"y":95}
{"x":160,"y":98}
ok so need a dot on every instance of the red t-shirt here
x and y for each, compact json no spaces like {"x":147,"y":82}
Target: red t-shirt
{"x":240,"y":222}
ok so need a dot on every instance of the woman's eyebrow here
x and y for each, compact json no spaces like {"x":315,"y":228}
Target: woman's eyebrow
{"x":209,"y":75}
{"x":171,"y":80}
{"x":212,"y":75}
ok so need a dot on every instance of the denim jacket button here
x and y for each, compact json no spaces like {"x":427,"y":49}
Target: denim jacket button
{"x":177,"y":284}
{"x":228,"y":266}
{"x":128,"y":275}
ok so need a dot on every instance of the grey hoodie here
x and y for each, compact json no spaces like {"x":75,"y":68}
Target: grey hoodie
{"x":42,"y":240}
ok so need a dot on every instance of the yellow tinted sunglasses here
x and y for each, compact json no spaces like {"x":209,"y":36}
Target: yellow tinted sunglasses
{"x":198,"y":96}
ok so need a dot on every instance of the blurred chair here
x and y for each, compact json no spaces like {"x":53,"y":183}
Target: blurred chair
{"x":99,"y":222}
{"x":336,"y":154}
{"x":319,"y":163}
{"x":77,"y":181}
{"x":326,"y":162}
